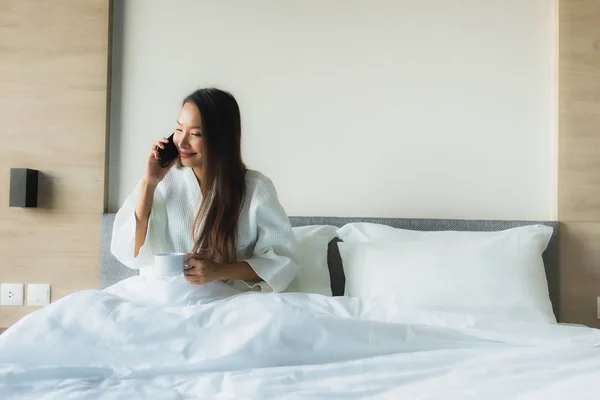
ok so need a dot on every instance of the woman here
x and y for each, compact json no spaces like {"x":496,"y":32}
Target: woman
{"x":207,"y":204}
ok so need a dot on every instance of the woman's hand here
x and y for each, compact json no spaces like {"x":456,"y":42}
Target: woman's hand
{"x":205,"y":271}
{"x":154,"y":172}
{"x":201,"y":271}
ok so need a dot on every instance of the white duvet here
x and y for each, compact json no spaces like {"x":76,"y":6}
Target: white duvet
{"x":147,"y":338}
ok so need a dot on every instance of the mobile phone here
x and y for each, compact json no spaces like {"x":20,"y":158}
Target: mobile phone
{"x":168,"y":154}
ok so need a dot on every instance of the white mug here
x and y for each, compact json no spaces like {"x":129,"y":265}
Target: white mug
{"x":169,"y":264}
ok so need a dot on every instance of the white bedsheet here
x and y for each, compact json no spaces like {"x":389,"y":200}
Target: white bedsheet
{"x":147,"y":338}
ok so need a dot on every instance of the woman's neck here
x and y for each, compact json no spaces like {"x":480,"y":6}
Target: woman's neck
{"x":199,"y":173}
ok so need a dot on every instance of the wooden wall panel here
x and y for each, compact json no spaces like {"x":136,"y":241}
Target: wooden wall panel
{"x":53,"y":110}
{"x":579,"y":110}
{"x":580,"y":272}
{"x":579,"y":158}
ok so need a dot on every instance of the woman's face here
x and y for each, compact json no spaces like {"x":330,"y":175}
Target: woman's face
{"x":188,"y":136}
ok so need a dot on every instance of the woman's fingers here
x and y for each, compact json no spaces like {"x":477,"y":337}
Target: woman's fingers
{"x":193,"y":262}
{"x":190,"y":271}
{"x":160,"y":144}
{"x":196,"y":280}
{"x":192,"y":256}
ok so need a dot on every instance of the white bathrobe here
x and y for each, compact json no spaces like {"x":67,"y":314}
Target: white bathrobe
{"x":265,"y":237}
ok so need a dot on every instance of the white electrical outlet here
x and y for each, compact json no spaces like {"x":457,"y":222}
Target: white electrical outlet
{"x":38,"y":294}
{"x":11,"y":294}
{"x":598,"y":307}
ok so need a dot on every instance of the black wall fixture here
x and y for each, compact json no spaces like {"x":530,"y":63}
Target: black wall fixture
{"x":23,"y":187}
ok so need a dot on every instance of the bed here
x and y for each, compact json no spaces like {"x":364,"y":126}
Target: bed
{"x":141,"y":338}
{"x":112,"y":271}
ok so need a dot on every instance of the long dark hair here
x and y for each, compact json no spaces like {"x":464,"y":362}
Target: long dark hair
{"x":223,"y":184}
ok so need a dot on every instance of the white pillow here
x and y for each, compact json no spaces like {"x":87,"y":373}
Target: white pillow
{"x":313,"y":276}
{"x":328,"y":231}
{"x":489,"y":274}
{"x":369,"y":232}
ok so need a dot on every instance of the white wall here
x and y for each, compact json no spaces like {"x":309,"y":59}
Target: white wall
{"x":398,"y":108}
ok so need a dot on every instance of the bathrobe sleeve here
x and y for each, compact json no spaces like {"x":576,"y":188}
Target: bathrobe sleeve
{"x":123,"y":235}
{"x":276,"y":258}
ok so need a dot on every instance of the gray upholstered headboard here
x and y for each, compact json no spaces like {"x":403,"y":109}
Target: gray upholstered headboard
{"x":111,"y":271}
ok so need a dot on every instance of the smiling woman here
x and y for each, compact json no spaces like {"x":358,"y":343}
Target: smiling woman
{"x":190,"y":150}
{"x":208,"y":204}
{"x":208,"y":137}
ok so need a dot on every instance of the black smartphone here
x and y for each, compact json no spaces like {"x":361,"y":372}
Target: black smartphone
{"x":168,"y":154}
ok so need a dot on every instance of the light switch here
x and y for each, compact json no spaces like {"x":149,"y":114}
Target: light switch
{"x":11,"y":294}
{"x":38,"y":294}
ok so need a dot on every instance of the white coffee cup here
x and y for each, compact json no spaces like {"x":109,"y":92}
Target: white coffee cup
{"x":169,"y":264}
